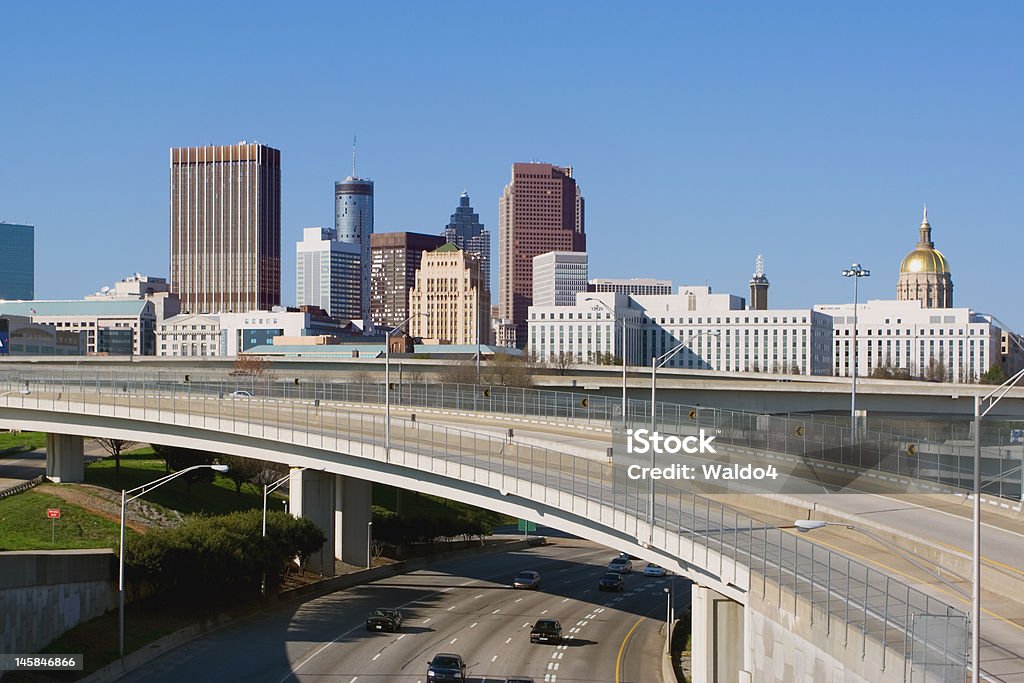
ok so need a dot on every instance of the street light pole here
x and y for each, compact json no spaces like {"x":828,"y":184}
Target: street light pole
{"x":668,"y":621}
{"x":657,"y":362}
{"x":140,"y":491}
{"x":387,"y":382}
{"x":979,"y":413}
{"x":369,"y":544}
{"x":270,"y":488}
{"x":856,"y":272}
{"x":622,"y":321}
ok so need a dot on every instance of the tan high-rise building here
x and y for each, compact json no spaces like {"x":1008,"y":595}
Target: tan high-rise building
{"x":226,"y":227}
{"x":924,"y":273}
{"x":541,"y":210}
{"x":449,"y":302}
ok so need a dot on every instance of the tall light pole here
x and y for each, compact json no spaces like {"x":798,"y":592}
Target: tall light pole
{"x":993,"y":397}
{"x":387,"y":382}
{"x":270,"y":488}
{"x":657,"y":362}
{"x":622,"y":321}
{"x":140,"y":491}
{"x":668,"y":621}
{"x":856,"y":272}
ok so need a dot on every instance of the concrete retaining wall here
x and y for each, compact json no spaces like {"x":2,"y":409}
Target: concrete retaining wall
{"x":45,"y":593}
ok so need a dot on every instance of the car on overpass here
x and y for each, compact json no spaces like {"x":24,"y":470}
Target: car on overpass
{"x":446,"y":667}
{"x":384,"y":619}
{"x":518,"y":679}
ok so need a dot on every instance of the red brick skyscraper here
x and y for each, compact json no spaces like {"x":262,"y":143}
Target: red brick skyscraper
{"x":541,"y":210}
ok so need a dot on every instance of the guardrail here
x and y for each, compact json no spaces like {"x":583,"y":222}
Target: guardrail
{"x":929,"y":635}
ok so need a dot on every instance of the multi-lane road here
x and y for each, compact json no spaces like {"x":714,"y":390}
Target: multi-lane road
{"x":464,"y":607}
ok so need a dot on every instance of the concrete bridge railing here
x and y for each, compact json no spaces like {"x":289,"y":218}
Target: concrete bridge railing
{"x":736,"y":554}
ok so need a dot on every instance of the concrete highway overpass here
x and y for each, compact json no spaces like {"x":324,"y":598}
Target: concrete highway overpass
{"x":756,"y":590}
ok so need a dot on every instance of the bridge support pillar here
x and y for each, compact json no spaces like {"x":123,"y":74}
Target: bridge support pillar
{"x":718,"y":638}
{"x":65,"y":458}
{"x":311,"y":496}
{"x":352,"y":514}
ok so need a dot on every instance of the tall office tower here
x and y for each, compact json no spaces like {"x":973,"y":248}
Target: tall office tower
{"x":759,"y":287}
{"x":353,"y":223}
{"x":18,"y":256}
{"x":226,"y":227}
{"x":328,"y":274}
{"x":465,"y":231}
{"x":394,"y":258}
{"x":448,"y":302}
{"x":541,"y":210}
{"x":558,"y":276}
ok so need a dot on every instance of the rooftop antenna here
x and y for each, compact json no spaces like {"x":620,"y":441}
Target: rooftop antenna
{"x":353,"y":156}
{"x":759,"y":266}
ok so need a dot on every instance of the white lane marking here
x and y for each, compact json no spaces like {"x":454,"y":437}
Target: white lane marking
{"x":451,"y":608}
{"x":508,"y":641}
{"x":473,"y":625}
{"x":353,"y":679}
{"x":427,"y":619}
{"x":566,"y":600}
{"x":496,"y":611}
{"x":544,"y":612}
{"x":479,"y":596}
{"x":401,"y":636}
{"x":579,"y":623}
{"x":525,"y":625}
{"x":519,"y":599}
{"x":494,"y":658}
{"x":453,"y":641}
{"x":374,"y":659}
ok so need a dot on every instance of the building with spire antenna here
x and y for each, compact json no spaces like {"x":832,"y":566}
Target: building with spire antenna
{"x":353,"y":223}
{"x":924,"y":272}
{"x":759,"y":287}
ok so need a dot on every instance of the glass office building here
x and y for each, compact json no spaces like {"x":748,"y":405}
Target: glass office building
{"x":353,"y":224}
{"x":17,"y":262}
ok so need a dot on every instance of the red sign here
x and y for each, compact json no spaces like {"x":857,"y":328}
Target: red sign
{"x":52,"y":513}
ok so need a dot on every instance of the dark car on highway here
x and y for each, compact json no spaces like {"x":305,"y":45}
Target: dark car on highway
{"x":612,"y":581}
{"x":518,"y":679}
{"x":446,"y":667}
{"x":546,"y":631}
{"x":384,"y":619}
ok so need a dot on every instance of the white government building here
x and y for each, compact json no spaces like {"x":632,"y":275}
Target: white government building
{"x":919,"y":333}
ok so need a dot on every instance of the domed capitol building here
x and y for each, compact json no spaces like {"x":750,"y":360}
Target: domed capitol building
{"x":924,"y":273}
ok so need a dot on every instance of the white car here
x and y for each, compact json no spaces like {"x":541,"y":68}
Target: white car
{"x":654,"y":570}
{"x":240,"y":394}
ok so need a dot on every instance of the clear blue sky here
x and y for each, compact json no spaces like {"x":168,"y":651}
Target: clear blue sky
{"x":701,"y":133}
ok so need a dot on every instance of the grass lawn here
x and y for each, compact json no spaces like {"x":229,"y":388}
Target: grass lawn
{"x":21,"y":442}
{"x":415,"y":504}
{"x":143,"y":466}
{"x":24,"y":525}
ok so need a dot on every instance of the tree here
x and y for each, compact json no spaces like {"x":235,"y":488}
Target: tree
{"x":247,"y":365}
{"x":994,"y":375}
{"x":457,"y":372}
{"x":936,"y":371}
{"x":178,"y":459}
{"x":562,"y":362}
{"x":116,"y":447}
{"x":268,"y":473}
{"x":242,"y":470}
{"x":511,"y":371}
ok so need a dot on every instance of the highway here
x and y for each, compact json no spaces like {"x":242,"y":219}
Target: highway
{"x":463,"y":607}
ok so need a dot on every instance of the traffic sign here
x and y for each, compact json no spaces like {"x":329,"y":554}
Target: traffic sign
{"x":53,"y":513}
{"x":527,"y":526}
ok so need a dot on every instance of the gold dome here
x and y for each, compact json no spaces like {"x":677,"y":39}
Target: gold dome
{"x":924,"y":260}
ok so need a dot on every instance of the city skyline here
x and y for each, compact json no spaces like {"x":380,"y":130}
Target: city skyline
{"x":851,"y":132}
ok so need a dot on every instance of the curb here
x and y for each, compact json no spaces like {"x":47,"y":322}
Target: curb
{"x":132,"y":661}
